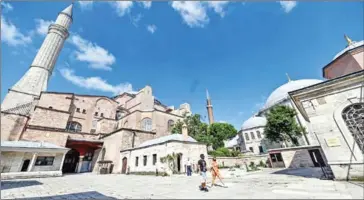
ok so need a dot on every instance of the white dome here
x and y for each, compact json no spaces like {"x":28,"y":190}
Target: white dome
{"x":254,"y":122}
{"x":350,"y":47}
{"x":281,"y":93}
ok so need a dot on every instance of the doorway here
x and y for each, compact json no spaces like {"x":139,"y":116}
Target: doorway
{"x":277,"y":160}
{"x":25,"y":166}
{"x":70,"y":161}
{"x":179,"y":159}
{"x":316,"y":158}
{"x":125,"y":164}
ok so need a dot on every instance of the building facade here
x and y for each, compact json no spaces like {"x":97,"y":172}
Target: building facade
{"x":80,"y":123}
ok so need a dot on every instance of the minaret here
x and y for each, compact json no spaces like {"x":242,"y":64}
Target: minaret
{"x":35,"y":80}
{"x":209,"y":108}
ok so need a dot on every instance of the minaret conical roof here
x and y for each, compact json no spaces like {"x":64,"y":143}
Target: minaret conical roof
{"x":68,"y":10}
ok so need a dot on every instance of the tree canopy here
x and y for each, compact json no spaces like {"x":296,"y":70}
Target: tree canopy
{"x":282,"y":126}
{"x":213,"y":134}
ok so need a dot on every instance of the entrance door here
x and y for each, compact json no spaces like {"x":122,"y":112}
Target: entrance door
{"x":179,"y":159}
{"x":125,"y":164}
{"x":25,"y":166}
{"x":316,"y":158}
{"x":277,"y":160}
{"x":70,"y":161}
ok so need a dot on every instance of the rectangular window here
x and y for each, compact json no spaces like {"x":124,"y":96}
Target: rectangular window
{"x":44,"y":161}
{"x":261,"y":149}
{"x":259,"y":135}
{"x":247,"y":136}
{"x":136,"y":161}
{"x":77,"y":109}
{"x":96,"y":113}
{"x":252,"y":135}
{"x":154,"y":159}
{"x":102,"y":114}
{"x":84,"y":111}
{"x":251,"y":149}
{"x":145,"y":160}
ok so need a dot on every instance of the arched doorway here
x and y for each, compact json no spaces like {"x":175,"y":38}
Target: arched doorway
{"x":125,"y":164}
{"x":70,"y":161}
{"x":25,"y":166}
{"x":353,"y":116}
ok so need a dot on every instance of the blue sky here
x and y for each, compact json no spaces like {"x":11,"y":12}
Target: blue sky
{"x":239,"y":51}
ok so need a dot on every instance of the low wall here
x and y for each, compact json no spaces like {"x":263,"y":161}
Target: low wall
{"x":24,"y":175}
{"x":234,"y":161}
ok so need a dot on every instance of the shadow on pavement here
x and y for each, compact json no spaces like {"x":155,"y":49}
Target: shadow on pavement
{"x":312,"y":172}
{"x":360,"y":184}
{"x":81,"y":195}
{"x":18,"y":184}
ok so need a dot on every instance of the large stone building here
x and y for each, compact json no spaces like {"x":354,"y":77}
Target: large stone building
{"x":46,"y":123}
{"x":332,"y":113}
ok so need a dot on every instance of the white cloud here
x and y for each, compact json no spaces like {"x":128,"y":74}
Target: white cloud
{"x":11,"y":35}
{"x":288,"y":5}
{"x":193,"y":12}
{"x":95,"y":83}
{"x":89,"y":52}
{"x":146,"y":4}
{"x":42,"y":26}
{"x":135,"y":20}
{"x":221,"y":121}
{"x":152,"y":28}
{"x":122,"y":7}
{"x":218,"y":6}
{"x":7,"y":7}
{"x":85,"y":5}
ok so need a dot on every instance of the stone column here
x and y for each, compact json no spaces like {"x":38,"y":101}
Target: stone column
{"x":32,"y":162}
{"x":62,"y":162}
{"x":79,"y":165}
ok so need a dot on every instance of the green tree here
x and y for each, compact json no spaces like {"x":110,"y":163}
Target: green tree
{"x":282,"y":126}
{"x":221,"y":132}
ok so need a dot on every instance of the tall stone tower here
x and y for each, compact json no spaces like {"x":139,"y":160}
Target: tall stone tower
{"x":209,"y":108}
{"x":35,"y":80}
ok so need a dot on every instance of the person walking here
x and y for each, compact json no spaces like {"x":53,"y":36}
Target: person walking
{"x":189,"y":168}
{"x":214,"y":171}
{"x":202,"y":168}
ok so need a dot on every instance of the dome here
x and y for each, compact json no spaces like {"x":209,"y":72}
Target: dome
{"x":282,"y":92}
{"x":349,"y":47}
{"x":253,"y":122}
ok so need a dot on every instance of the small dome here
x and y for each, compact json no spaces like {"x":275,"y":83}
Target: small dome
{"x":281,"y":93}
{"x":253,"y":122}
{"x":350,"y":47}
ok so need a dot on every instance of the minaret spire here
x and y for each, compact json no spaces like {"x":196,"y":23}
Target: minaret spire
{"x":35,"y":80}
{"x":289,"y":79}
{"x":209,"y":108}
{"x":348,"y":40}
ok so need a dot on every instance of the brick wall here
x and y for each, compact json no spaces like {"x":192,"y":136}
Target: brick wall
{"x":49,"y":118}
{"x":12,"y":126}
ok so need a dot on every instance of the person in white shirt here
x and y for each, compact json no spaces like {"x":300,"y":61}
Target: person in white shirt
{"x":189,"y":168}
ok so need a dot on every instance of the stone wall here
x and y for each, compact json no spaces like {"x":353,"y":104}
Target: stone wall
{"x":49,"y":118}
{"x":58,"y":101}
{"x":297,"y":158}
{"x":234,"y":161}
{"x":12,"y":126}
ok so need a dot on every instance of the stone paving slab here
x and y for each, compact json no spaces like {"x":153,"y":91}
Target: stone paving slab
{"x":261,"y":184}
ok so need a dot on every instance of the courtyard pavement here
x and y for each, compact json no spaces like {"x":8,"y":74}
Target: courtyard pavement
{"x":262,"y":184}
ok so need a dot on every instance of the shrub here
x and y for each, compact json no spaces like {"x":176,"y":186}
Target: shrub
{"x":223,"y":152}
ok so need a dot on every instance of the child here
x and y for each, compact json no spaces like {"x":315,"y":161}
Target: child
{"x":202,"y":169}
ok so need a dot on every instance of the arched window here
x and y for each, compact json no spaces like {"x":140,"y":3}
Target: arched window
{"x":147,"y":124}
{"x":170,"y":125}
{"x":353,"y":116}
{"x":258,"y":134}
{"x":247,"y":136}
{"x":252,"y":135}
{"x":74,"y":127}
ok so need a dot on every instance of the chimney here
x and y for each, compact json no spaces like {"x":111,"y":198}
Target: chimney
{"x":184,"y":131}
